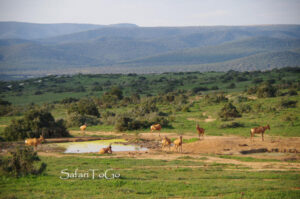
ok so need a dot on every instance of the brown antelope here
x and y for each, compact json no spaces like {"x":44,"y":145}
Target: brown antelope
{"x":258,"y":130}
{"x":156,"y":127}
{"x":166,"y":142}
{"x":200,"y":131}
{"x":105,"y":150}
{"x":83,"y":127}
{"x":178,"y":143}
{"x":34,"y":141}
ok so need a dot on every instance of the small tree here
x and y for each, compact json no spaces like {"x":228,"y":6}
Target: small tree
{"x":229,"y":111}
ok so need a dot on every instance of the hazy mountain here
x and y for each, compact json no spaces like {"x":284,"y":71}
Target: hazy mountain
{"x":126,"y":47}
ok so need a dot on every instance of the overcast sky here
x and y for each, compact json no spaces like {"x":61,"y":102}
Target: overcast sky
{"x":153,"y":12}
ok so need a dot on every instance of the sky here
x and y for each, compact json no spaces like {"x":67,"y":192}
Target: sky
{"x":153,"y":12}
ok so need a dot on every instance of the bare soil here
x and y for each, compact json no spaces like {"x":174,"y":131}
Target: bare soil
{"x":282,"y":150}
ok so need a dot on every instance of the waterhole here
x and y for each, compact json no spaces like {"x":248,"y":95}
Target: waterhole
{"x":95,"y":146}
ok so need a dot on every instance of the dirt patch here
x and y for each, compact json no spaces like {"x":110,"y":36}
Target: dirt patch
{"x":238,"y":145}
{"x":194,"y":119}
{"x":209,"y":119}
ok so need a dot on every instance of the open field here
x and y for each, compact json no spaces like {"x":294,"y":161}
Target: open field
{"x":225,"y":163}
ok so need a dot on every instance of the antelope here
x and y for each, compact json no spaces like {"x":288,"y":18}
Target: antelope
{"x":165,"y":142}
{"x":105,"y":150}
{"x":200,"y":131}
{"x":34,"y":141}
{"x":156,"y":127}
{"x":83,"y":127}
{"x":178,"y":143}
{"x":258,"y":130}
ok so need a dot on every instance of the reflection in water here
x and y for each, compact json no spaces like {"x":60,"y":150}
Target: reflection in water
{"x":95,"y":146}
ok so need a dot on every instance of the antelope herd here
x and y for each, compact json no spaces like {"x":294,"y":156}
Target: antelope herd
{"x":166,"y":142}
{"x":178,"y":142}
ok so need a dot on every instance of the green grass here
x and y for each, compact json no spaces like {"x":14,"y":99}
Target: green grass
{"x":149,"y":179}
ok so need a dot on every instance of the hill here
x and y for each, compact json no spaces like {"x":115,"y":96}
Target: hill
{"x":60,"y":48}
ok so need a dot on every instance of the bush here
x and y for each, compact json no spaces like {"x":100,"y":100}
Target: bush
{"x":232,"y":125}
{"x":288,"y":103}
{"x":75,"y":120}
{"x":116,"y":91}
{"x":292,"y":92}
{"x":244,"y":108}
{"x":69,"y":100}
{"x":230,"y":86}
{"x":124,"y":123}
{"x":21,"y":163}
{"x":290,"y":118}
{"x":229,"y":111}
{"x":84,"y":107}
{"x":35,"y":122}
{"x":214,"y":88}
{"x":38,"y":92}
{"x":199,"y":88}
{"x":266,"y":90}
{"x":257,"y":80}
{"x":216,"y":98}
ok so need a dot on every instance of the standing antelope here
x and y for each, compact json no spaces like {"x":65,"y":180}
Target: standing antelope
{"x":34,"y":141}
{"x":156,"y":127}
{"x":178,"y":143}
{"x":200,"y":131}
{"x":105,"y":150}
{"x":83,"y":127}
{"x":166,"y":142}
{"x":258,"y":130}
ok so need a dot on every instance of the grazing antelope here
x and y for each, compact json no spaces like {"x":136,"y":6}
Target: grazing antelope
{"x":200,"y":131}
{"x":156,"y":127}
{"x":258,"y":130}
{"x":83,"y":127}
{"x":34,"y":141}
{"x":166,"y":142}
{"x":105,"y":150}
{"x":178,"y":143}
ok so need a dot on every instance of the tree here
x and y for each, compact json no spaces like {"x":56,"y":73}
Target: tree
{"x":35,"y":122}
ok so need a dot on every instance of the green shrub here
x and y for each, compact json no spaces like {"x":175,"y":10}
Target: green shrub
{"x":21,"y":163}
{"x":266,"y":90}
{"x":69,"y":100}
{"x":285,"y":103}
{"x":74,"y":120}
{"x":215,"y":98}
{"x":199,"y":88}
{"x":232,"y":125}
{"x":35,"y":122}
{"x":229,"y":111}
{"x":290,"y":119}
{"x":292,"y":92}
{"x":230,"y":86}
{"x":84,"y":107}
{"x":244,"y":108}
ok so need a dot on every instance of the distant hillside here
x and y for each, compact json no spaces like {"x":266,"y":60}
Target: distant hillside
{"x":59,"y":48}
{"x":13,"y":30}
{"x":220,"y":53}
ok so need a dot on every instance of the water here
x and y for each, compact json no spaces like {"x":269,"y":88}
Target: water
{"x":95,"y":146}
